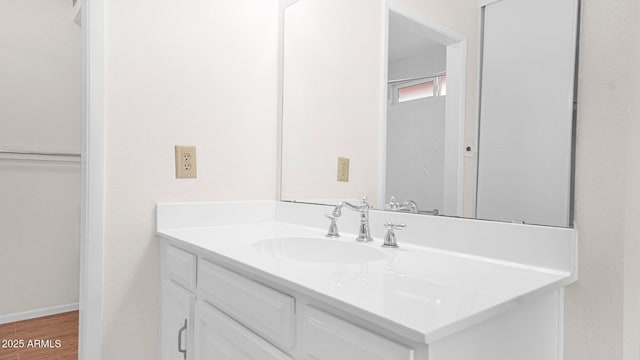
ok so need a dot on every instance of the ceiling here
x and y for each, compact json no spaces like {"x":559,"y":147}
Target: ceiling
{"x":408,"y":38}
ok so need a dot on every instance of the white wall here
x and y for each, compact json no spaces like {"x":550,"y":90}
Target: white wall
{"x":631,"y":340}
{"x":39,"y":76}
{"x":606,"y":185}
{"x":39,"y":218}
{"x":40,"y":69}
{"x":200,"y":73}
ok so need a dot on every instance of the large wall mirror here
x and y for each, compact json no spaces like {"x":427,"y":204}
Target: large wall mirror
{"x":447,"y":108}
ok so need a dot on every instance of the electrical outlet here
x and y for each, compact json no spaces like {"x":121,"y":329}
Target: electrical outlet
{"x":343,"y":169}
{"x":186,"y":162}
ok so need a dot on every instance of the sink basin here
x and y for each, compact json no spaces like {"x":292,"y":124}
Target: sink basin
{"x":319,"y":250}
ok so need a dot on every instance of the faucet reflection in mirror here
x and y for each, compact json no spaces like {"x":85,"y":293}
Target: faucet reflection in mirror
{"x":407,"y":206}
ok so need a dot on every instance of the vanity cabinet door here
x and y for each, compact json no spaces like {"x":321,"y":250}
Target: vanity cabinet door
{"x":218,"y":337}
{"x":176,"y":322}
{"x":327,"y":337}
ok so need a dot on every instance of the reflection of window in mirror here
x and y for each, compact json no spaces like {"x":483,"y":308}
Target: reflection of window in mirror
{"x":423,"y":89}
{"x":414,"y":92}
{"x":442,"y":88}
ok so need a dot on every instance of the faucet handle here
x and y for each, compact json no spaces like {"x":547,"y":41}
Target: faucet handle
{"x":390,"y":237}
{"x":393,"y":226}
{"x":333,"y":227}
{"x":331,"y":216}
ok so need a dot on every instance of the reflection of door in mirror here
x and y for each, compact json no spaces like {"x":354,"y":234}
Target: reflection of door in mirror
{"x":527,"y":106}
{"x":417,"y":135}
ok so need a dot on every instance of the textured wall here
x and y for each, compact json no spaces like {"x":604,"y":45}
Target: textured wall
{"x":632,"y":224}
{"x":40,"y":70}
{"x":200,"y":73}
{"x":594,"y":312}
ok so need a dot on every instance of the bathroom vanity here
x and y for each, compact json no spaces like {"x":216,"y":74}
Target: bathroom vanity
{"x":259,"y":280}
{"x":393,"y":99}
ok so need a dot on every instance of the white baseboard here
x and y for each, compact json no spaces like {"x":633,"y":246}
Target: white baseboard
{"x":32,"y":314}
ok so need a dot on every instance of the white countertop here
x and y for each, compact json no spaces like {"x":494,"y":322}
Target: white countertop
{"x":421,"y":293}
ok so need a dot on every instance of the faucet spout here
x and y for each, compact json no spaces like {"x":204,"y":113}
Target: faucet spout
{"x":364,"y":233}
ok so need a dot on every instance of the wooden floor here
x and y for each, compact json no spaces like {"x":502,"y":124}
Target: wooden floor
{"x":36,"y":332}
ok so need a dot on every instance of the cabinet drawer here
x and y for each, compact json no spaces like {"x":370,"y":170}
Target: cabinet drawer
{"x":262,"y":309}
{"x":181,"y":267}
{"x":326,"y":337}
{"x":221,"y":338}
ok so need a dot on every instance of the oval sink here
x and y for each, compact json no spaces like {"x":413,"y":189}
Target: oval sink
{"x":319,"y":250}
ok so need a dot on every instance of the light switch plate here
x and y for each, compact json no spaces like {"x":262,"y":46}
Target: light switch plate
{"x":343,"y":169}
{"x":186,"y":162}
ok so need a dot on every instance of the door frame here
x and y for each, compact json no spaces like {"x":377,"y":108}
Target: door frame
{"x":92,"y":182}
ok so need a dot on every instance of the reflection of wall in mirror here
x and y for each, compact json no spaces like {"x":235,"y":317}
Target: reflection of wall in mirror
{"x":331,"y":49}
{"x":424,"y":63}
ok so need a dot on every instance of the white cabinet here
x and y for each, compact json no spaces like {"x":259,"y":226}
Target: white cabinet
{"x":218,"y":337}
{"x":181,"y":267}
{"x":264,"y":310}
{"x":214,"y":311}
{"x":176,"y":322}
{"x":327,"y":337}
{"x":209,"y":311}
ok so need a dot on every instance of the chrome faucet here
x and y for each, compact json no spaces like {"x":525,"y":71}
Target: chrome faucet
{"x":364,"y":233}
{"x":408,"y":205}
